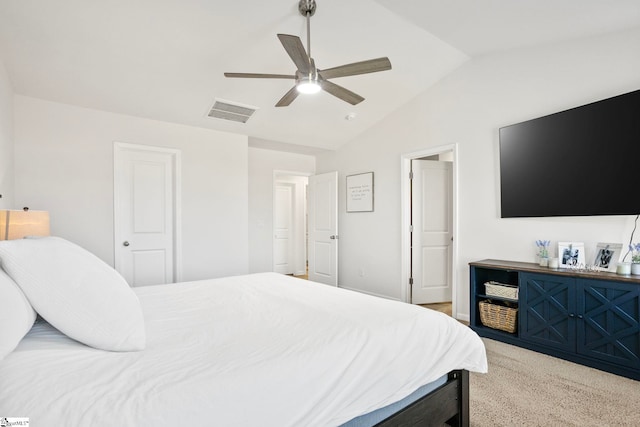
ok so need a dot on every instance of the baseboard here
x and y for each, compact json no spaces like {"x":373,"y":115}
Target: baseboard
{"x":463,"y":317}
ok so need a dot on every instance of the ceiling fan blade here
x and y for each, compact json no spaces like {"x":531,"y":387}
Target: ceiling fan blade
{"x":259,"y":76}
{"x":362,"y":67}
{"x":294,"y":47}
{"x":288,"y":97}
{"x":340,"y":92}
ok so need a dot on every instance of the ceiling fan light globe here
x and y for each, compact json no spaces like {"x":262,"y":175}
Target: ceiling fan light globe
{"x":308,"y":87}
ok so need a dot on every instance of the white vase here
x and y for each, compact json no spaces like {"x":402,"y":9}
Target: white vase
{"x":635,"y":269}
{"x":623,"y":268}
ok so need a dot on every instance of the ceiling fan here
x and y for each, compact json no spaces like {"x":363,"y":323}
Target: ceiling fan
{"x":310,"y":79}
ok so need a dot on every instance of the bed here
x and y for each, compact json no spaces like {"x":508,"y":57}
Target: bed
{"x":262,"y":349}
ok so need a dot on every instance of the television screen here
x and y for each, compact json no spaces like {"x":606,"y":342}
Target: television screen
{"x":583,"y":161}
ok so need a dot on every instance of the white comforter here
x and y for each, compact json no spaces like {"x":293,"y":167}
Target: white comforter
{"x":256,"y":350}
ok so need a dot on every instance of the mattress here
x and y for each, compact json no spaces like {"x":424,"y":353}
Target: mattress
{"x":262,"y":349}
{"x":379,"y":415}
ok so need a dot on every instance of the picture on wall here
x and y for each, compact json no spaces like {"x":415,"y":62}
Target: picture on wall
{"x":607,"y":256}
{"x":360,"y":192}
{"x":571,"y":254}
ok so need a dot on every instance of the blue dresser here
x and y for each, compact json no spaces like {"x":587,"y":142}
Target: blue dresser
{"x":591,"y":318}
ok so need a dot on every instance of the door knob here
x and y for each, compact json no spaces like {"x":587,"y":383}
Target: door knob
{"x":125,"y":243}
{"x":333,"y":237}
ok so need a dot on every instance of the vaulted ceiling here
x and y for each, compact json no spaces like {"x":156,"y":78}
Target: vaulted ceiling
{"x":165,"y":59}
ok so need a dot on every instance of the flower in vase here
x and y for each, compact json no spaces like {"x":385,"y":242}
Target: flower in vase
{"x":635,"y":252}
{"x":543,"y":248}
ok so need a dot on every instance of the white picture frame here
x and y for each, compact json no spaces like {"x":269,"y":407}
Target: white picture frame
{"x":607,"y":256}
{"x":571,"y":255}
{"x":360,"y":192}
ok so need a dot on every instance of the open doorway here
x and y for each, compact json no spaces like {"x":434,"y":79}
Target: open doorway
{"x":429,"y":225}
{"x":290,"y":236}
{"x":305,"y":237}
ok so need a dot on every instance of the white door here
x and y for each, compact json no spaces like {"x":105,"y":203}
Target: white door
{"x":323,"y":228}
{"x":283,"y":229}
{"x":432,"y":231}
{"x":145,"y":213}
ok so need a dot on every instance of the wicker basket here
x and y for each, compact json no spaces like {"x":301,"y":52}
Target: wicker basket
{"x":498,"y":316}
{"x":497,"y":289}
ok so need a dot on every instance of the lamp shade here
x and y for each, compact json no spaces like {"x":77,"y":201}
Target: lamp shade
{"x":15,"y":224}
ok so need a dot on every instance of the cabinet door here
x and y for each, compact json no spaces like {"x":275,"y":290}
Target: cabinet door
{"x":547,"y":310}
{"x":609,"y":315}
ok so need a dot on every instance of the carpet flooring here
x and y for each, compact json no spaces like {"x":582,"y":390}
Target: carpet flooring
{"x":526,"y":388}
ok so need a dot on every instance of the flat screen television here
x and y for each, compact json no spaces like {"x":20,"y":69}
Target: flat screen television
{"x":582,"y":161}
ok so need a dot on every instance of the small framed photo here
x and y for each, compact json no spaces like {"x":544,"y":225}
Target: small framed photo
{"x":360,"y":192}
{"x":607,"y":256}
{"x":571,"y":254}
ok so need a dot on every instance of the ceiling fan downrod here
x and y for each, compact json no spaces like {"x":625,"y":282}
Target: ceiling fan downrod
{"x":307,"y":8}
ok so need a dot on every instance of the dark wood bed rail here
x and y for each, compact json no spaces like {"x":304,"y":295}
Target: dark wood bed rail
{"x":448,"y":404}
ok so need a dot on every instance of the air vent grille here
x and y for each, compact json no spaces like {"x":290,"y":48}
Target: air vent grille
{"x":226,"y":110}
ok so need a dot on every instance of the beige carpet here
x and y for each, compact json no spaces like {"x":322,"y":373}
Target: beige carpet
{"x":525,"y":388}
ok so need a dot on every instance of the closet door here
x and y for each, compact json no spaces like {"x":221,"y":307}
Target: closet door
{"x":145,"y":213}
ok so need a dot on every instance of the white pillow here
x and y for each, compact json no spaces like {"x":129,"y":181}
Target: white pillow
{"x":76,"y":292}
{"x":16,"y":315}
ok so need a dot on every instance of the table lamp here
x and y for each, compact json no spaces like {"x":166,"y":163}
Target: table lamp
{"x":16,"y":224}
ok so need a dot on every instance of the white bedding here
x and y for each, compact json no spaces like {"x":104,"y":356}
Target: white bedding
{"x":255,"y":350}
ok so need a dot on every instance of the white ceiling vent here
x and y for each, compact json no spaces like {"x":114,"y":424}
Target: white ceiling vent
{"x":226,"y":110}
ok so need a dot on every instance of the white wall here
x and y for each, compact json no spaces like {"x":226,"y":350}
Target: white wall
{"x":64,"y":164}
{"x":262,"y":165}
{"x":467,"y":108}
{"x":6,"y":140}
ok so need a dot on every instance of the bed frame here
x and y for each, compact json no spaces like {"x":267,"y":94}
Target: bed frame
{"x":448,"y":404}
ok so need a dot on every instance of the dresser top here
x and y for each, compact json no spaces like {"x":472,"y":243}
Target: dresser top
{"x":569,"y":272}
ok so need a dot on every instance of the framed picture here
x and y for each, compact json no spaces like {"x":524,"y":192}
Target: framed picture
{"x":571,"y":254}
{"x":607,"y":256}
{"x":360,"y":192}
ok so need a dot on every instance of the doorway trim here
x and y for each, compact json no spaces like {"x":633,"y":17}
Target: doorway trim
{"x":176,"y":156}
{"x":405,"y":223}
{"x":274,"y":182}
